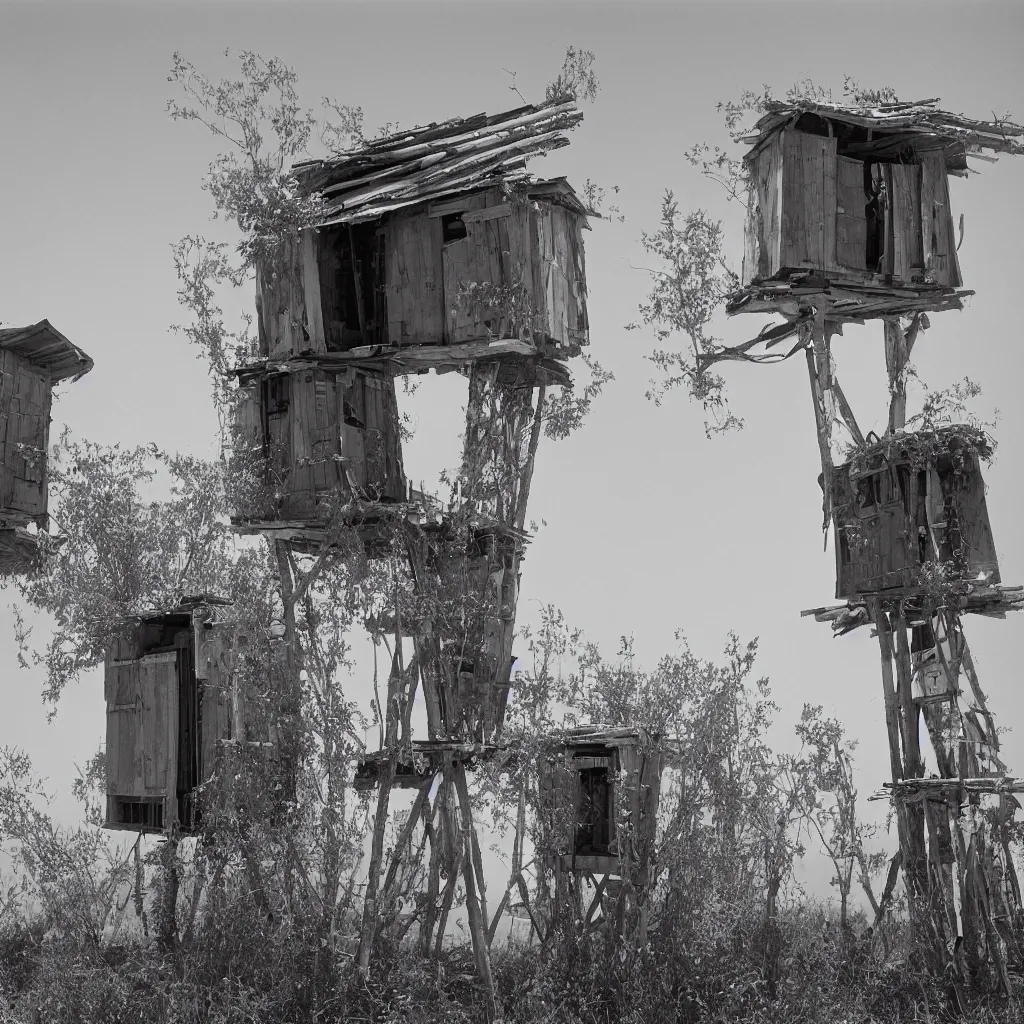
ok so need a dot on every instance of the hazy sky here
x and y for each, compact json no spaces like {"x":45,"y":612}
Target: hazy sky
{"x":650,"y":527}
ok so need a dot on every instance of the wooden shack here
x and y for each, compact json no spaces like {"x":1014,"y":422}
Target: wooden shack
{"x":322,"y":431}
{"x":435,"y":237}
{"x":32,"y":360}
{"x":598,"y":801}
{"x":171,"y":703}
{"x":911,"y":505}
{"x":848,"y":197}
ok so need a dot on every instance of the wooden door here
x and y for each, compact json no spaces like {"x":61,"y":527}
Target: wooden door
{"x":851,"y":220}
{"x":413,"y":280}
{"x":142,"y":730}
{"x":938,"y":242}
{"x":763,"y":232}
{"x":907,"y":255}
{"x":808,"y":201}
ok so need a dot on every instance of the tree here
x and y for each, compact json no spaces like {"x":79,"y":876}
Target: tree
{"x":827,"y":800}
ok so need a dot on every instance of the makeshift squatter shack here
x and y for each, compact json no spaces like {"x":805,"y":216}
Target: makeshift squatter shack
{"x":908,"y":502}
{"x":853,"y":202}
{"x":171,"y":702}
{"x":435,"y":250}
{"x":849,"y":221}
{"x":598,"y":800}
{"x":32,"y":360}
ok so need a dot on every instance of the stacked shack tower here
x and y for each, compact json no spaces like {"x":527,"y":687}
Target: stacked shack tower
{"x":849,"y":222}
{"x":435,"y":251}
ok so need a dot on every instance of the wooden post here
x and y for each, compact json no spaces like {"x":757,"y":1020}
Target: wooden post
{"x":889,"y":692}
{"x":358,"y":280}
{"x":432,"y":821}
{"x":818,"y":367}
{"x":911,"y":844}
{"x":475,"y":907}
{"x":386,"y":781}
{"x":896,"y":356}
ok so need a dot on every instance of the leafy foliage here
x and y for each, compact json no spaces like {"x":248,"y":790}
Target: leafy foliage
{"x":686,"y":294}
{"x":693,"y":280}
{"x":576,"y":80}
{"x":121,"y":552}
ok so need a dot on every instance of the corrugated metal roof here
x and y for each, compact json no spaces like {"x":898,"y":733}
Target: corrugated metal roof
{"x":919,"y":124}
{"x":43,"y":345}
{"x":438,"y":160}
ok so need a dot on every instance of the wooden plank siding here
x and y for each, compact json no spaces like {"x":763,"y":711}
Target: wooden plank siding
{"x":220,"y":704}
{"x":877,"y":541}
{"x":806,"y":209}
{"x":975,"y":528}
{"x":808,"y":201}
{"x":142,"y":729}
{"x":413,"y":279}
{"x":938,"y":240}
{"x":289,"y":314}
{"x":25,"y":397}
{"x":324,"y":432}
{"x":770,"y":191}
{"x":851,"y":221}
{"x":533,"y":249}
{"x":908,"y":258}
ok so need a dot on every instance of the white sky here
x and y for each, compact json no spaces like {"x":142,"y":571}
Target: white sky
{"x":650,"y":527}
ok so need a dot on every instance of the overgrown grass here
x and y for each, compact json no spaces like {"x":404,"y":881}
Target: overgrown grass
{"x":805,"y":970}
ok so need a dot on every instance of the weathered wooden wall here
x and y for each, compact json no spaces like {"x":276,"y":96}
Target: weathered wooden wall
{"x":808,"y":201}
{"x":534,"y":249}
{"x":142,"y":731}
{"x":222,"y":709}
{"x":324,"y":432}
{"x":167,"y":711}
{"x":24,"y":421}
{"x":806,"y":210}
{"x":288,"y":312}
{"x":879,"y":547}
{"x":634,"y":778}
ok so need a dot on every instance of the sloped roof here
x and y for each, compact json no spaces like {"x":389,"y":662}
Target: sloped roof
{"x":439,"y":160}
{"x":43,"y":345}
{"x":894,"y":126}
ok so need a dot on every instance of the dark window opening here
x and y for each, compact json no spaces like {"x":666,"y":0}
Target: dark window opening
{"x":903,"y":483}
{"x":190,"y":724}
{"x":453,"y":228}
{"x":278,"y":393}
{"x":874,"y":215}
{"x":480,"y":544}
{"x":139,"y":813}
{"x":845,"y":555}
{"x":922,"y":638}
{"x":868,"y":493}
{"x":593,"y":819}
{"x":351,"y":419}
{"x":924,"y":548}
{"x":164,"y":634}
{"x":352,"y":267}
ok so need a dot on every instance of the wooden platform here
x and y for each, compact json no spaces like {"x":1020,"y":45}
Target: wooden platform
{"x":992,"y":601}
